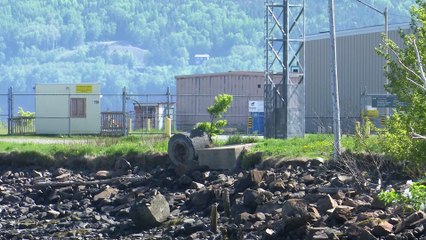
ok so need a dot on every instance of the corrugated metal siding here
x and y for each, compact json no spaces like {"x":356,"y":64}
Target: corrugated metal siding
{"x":360,"y":69}
{"x":196,"y":92}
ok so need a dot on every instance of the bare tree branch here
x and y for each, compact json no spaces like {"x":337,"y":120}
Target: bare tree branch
{"x":421,"y":77}
{"x":409,"y":70}
{"x":86,"y":183}
{"x":417,"y":84}
{"x":417,"y":136}
{"x":419,"y":62}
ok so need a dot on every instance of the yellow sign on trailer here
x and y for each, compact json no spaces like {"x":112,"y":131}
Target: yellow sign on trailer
{"x":84,"y":88}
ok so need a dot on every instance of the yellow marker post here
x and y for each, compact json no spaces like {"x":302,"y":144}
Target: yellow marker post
{"x":148,"y":124}
{"x":168,"y":127}
{"x":358,"y":128}
{"x":250,"y":122}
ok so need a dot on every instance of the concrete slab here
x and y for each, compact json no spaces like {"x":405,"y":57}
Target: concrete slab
{"x":225,"y":157}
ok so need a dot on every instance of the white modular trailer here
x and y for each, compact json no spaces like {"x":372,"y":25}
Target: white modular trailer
{"x":68,"y":108}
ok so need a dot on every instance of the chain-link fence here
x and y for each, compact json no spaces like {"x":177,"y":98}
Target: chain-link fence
{"x":70,"y":113}
{"x":192,"y":109}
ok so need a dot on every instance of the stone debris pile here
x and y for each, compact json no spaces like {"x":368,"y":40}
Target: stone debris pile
{"x":295,"y":200}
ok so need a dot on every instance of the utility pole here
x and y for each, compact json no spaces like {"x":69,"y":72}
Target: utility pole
{"x":334,"y":83}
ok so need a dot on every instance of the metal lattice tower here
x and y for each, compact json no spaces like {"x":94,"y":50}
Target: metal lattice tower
{"x":284,"y":95}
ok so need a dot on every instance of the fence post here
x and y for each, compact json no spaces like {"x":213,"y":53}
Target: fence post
{"x":10,"y":111}
{"x":69,"y":109}
{"x":168,"y":102}
{"x":124,"y":111}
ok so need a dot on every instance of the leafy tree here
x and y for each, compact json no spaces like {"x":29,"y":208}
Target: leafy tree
{"x":27,"y":118}
{"x":58,"y":41}
{"x":408,"y":82}
{"x":221,"y":104}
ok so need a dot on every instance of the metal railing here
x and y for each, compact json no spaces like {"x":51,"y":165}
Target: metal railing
{"x":112,"y":123}
{"x":118,"y":121}
{"x":23,"y":126}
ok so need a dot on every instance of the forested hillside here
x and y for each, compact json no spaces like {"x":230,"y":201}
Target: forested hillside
{"x":143,"y":44}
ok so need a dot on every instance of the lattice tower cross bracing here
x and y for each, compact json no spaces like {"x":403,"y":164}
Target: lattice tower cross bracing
{"x":284,"y":95}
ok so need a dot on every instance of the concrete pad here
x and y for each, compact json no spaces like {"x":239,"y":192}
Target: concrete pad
{"x":221,"y":157}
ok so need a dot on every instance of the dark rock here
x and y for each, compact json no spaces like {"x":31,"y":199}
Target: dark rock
{"x":317,"y":233}
{"x":196,"y":185}
{"x":421,"y":222}
{"x":339,"y":195}
{"x":8,"y":198}
{"x":419,"y":230}
{"x":201,"y":199}
{"x":102,"y":174}
{"x":197,"y":176}
{"x":122,"y":164}
{"x":415,"y":218}
{"x":326,"y":203}
{"x":190,"y":227}
{"x":359,"y":233}
{"x":340,"y":215}
{"x":341,"y":181}
{"x":308,"y":179}
{"x":59,"y":171}
{"x":269,"y":208}
{"x":253,"y":198}
{"x":409,"y":236}
{"x":316,"y":162}
{"x":277,"y":185}
{"x":260,"y":216}
{"x":408,"y":221}
{"x":252,"y":179}
{"x":36,"y":174}
{"x":148,"y":214}
{"x":7,"y":174}
{"x":182,"y":169}
{"x":295,"y":214}
{"x":105,"y":194}
{"x":378,"y":204}
{"x":246,"y":217}
{"x":383,"y":228}
{"x":300,"y":194}
{"x":53,"y":213}
{"x":184,"y":181}
{"x":250,"y":198}
{"x":314,"y":214}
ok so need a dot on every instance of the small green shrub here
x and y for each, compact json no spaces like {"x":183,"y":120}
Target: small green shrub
{"x":363,"y":140}
{"x":26,"y":114}
{"x":250,"y":160}
{"x":238,"y":139}
{"x":398,"y":143}
{"x":414,"y":195}
{"x":221,"y":104}
{"x":3,"y":128}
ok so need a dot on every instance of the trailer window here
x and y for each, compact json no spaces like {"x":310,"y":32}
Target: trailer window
{"x":78,"y":107}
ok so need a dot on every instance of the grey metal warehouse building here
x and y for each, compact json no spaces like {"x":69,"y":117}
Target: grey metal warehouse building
{"x":360,"y":73}
{"x":194,"y":93}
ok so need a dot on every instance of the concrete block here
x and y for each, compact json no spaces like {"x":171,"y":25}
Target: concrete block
{"x":221,"y":157}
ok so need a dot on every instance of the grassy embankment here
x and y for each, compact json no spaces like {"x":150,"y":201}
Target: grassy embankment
{"x":92,"y":152}
{"x":98,"y":152}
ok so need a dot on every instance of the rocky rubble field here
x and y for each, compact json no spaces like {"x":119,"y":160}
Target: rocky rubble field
{"x":292,"y":200}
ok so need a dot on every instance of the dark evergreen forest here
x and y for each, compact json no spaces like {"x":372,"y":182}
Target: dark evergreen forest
{"x":143,"y":44}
